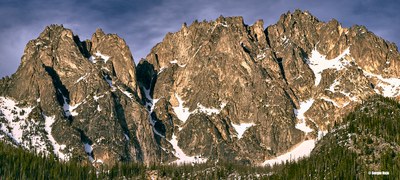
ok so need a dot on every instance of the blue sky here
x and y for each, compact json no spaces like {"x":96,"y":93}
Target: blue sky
{"x":144,"y":23}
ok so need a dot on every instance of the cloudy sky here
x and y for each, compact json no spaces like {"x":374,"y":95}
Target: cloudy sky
{"x":143,"y":23}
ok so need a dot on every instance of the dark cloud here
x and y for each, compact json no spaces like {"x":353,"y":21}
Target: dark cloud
{"x":144,"y":23}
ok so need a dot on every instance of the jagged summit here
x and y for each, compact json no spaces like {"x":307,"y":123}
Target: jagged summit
{"x":217,"y":90}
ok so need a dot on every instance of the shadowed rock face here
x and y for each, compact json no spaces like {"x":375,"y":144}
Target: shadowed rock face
{"x":219,"y":90}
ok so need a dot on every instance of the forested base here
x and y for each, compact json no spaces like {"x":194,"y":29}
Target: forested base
{"x":367,"y":140}
{"x":17,"y":163}
{"x":336,"y":163}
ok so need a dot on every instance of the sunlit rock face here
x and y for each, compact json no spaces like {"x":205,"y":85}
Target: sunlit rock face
{"x":85,"y":94}
{"x":219,"y":90}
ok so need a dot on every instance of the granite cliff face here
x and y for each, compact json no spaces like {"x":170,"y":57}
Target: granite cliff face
{"x":83,"y":99}
{"x":218,"y":90}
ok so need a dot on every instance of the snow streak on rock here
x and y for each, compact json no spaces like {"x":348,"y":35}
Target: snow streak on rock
{"x":241,"y":128}
{"x":49,"y":121}
{"x":182,"y":157}
{"x":98,"y":56}
{"x":318,"y":63}
{"x":388,"y":87}
{"x":181,"y":112}
{"x":304,"y":106}
{"x":209,"y":111}
{"x":16,"y":118}
{"x":68,"y":109}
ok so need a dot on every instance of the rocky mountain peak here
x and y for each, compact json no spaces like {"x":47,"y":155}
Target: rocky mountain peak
{"x":217,"y":90}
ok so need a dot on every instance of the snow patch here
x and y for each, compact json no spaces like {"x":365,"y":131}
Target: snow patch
{"x":209,"y":111}
{"x":68,"y":109}
{"x":318,"y":63}
{"x":11,"y":113}
{"x":49,"y":121}
{"x":182,"y":157}
{"x":331,"y":101}
{"x":176,"y":62}
{"x":95,"y":97}
{"x":333,"y":85}
{"x":304,"y":106}
{"x":126,"y":137}
{"x":150,"y":105}
{"x":261,"y":56}
{"x":181,"y":112}
{"x":390,"y":86}
{"x":99,"y":56}
{"x":128,"y":94}
{"x":224,"y":24}
{"x":301,"y":150}
{"x":161,"y":70}
{"x":241,"y":128}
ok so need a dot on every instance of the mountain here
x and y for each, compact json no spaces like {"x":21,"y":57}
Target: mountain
{"x":213,"y":91}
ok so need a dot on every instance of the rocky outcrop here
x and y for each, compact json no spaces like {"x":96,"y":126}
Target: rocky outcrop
{"x":218,"y":90}
{"x":255,"y":93}
{"x":90,"y":91}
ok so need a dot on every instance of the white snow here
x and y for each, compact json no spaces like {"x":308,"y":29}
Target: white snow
{"x":331,"y":101}
{"x":261,"y":56}
{"x":301,"y":150}
{"x":104,"y":57}
{"x":38,"y":100}
{"x":11,"y":112}
{"x":98,"y":108}
{"x":197,"y":51}
{"x":209,"y":111}
{"x":241,"y":128}
{"x":126,"y":137}
{"x":128,"y":94}
{"x":181,"y":112}
{"x":92,"y":59}
{"x":390,"y":86}
{"x":151,"y":103}
{"x":158,"y":133}
{"x":318,"y":63}
{"x":333,"y":85}
{"x":95,"y":97}
{"x":49,"y":121}
{"x":224,"y":24}
{"x":99,"y":56}
{"x":82,"y":78}
{"x":284,"y":40}
{"x":176,"y":62}
{"x":304,"y":106}
{"x":182,"y":157}
{"x":161,"y":70}
{"x":68,"y":109}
